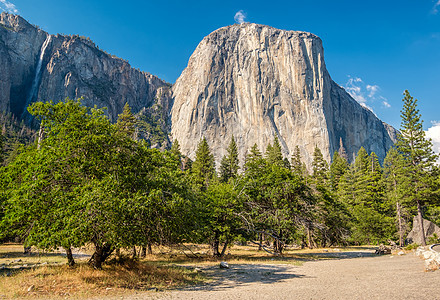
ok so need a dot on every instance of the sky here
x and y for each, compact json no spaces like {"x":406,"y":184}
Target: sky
{"x":374,"y":49}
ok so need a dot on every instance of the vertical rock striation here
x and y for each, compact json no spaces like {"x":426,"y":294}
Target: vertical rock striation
{"x":257,"y":82}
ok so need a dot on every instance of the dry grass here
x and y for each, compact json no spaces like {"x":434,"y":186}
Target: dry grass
{"x":85,"y":282}
{"x":249,"y":254}
{"x":159,"y":271}
{"x":10,"y":252}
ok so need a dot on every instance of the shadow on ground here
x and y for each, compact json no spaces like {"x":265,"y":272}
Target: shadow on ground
{"x":242,"y":274}
{"x":268,"y":270}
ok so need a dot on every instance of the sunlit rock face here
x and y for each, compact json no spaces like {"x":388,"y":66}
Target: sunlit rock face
{"x":256,"y":83}
{"x":72,"y":66}
{"x":251,"y":81}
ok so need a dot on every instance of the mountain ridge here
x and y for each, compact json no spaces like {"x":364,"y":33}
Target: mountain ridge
{"x":249,"y":80}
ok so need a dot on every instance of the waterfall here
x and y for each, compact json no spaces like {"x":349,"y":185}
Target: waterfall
{"x":33,"y":93}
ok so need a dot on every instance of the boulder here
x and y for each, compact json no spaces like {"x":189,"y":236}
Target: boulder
{"x":415,"y":235}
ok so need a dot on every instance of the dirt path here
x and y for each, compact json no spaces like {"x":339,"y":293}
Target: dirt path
{"x":385,"y":277}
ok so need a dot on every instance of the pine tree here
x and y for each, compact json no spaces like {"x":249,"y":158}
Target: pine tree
{"x":175,"y":150}
{"x":254,"y":162}
{"x":229,"y":164}
{"x":338,"y":168}
{"x":126,"y":121}
{"x":374,"y":186}
{"x":274,"y":155}
{"x":418,"y":156}
{"x":392,"y":177}
{"x":360,"y":189}
{"x":203,"y":167}
{"x":319,"y":167}
{"x":298,"y":166}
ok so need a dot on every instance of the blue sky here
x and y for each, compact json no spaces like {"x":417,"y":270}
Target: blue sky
{"x":375,"y":49}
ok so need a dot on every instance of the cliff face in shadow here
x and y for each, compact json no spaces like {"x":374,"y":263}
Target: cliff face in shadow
{"x":36,"y":66}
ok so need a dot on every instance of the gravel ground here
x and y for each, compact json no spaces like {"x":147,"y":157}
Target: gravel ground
{"x":351,"y":277}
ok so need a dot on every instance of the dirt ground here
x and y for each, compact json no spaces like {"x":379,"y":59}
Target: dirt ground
{"x":353,"y":275}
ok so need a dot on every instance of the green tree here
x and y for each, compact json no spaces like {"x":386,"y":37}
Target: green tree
{"x":338,"y":167}
{"x":87,"y":183}
{"x":203,"y":168}
{"x":221,"y":207}
{"x":175,"y":150}
{"x":254,"y":162}
{"x":319,"y":167}
{"x":419,"y":158}
{"x":297,"y":165}
{"x":277,"y":201}
{"x":229,"y":164}
{"x":361,"y":191}
{"x":126,"y":123}
{"x":274,"y":155}
{"x":392,"y":178}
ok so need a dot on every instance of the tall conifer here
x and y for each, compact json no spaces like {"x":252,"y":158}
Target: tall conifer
{"x":229,"y":164}
{"x":418,"y":156}
{"x":203,"y":167}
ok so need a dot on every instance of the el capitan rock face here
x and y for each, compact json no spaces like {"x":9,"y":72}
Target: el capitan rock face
{"x":73,"y":67}
{"x":257,"y":82}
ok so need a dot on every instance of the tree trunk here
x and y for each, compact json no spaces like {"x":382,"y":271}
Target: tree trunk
{"x":134,"y":252}
{"x":399,"y":217}
{"x":225,"y":246}
{"x":70,"y":260}
{"x":260,"y":236}
{"x":40,"y":136}
{"x":102,"y":252}
{"x":309,"y":237}
{"x":150,"y":250}
{"x":419,"y":213}
{"x":280,"y":243}
{"x":143,"y":251}
{"x":215,"y":245}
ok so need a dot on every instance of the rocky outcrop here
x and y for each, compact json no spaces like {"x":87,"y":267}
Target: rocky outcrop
{"x":72,"y":66}
{"x":256,"y":82}
{"x":415,"y":235}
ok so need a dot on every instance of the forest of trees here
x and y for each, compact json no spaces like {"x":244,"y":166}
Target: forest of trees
{"x":86,"y":181}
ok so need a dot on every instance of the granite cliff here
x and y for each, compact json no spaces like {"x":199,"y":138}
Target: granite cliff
{"x":38,"y":66}
{"x":251,"y":81}
{"x":257,"y":82}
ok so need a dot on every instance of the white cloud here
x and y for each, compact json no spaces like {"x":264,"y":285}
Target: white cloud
{"x":386,"y":104}
{"x":434,"y":134}
{"x":240,"y":16}
{"x":435,"y":8}
{"x":354,"y":88}
{"x":372,"y":89}
{"x":8,"y":7}
{"x":365,"y":94}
